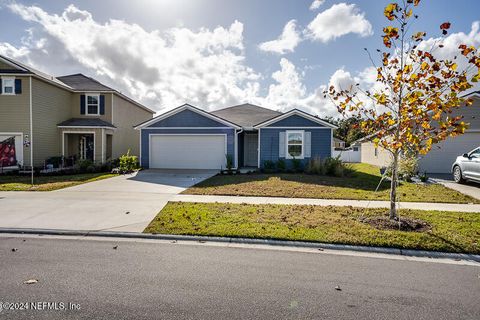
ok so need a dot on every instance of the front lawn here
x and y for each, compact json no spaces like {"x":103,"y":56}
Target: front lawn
{"x":48,"y":183}
{"x":450,"y":231}
{"x":360,"y":186}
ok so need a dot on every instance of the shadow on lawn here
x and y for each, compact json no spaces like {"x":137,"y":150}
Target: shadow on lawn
{"x":448,"y":242}
{"x":357,"y":180}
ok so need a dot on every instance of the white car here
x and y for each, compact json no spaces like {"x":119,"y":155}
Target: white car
{"x":467,"y":167}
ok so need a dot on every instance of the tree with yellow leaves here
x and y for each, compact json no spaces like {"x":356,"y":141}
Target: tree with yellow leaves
{"x":410,"y":107}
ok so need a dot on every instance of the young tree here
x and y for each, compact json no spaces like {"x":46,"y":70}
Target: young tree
{"x":410,"y":106}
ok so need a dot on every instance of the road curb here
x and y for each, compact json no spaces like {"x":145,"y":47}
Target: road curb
{"x":270,"y":242}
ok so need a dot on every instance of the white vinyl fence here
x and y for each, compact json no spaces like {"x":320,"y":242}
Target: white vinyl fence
{"x":348,"y":155}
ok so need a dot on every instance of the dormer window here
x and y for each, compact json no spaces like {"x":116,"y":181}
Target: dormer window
{"x":93,"y":104}
{"x":8,"y":85}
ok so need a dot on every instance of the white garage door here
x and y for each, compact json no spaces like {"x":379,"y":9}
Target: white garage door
{"x":440,"y":160}
{"x":187,"y":151}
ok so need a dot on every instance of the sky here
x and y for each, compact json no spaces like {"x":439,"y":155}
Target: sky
{"x":279,"y":54}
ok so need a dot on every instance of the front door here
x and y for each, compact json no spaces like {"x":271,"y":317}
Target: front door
{"x":250,"y":150}
{"x":86,"y":147}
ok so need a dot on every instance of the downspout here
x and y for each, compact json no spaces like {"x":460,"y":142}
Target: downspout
{"x":31,"y":129}
{"x":236,"y":146}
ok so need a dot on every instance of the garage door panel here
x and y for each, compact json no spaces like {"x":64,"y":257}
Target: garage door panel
{"x":187,"y":151}
{"x":443,"y":155}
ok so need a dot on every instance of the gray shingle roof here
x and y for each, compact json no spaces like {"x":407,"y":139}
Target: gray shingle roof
{"x":85,"y":122}
{"x":22,"y":68}
{"x":82,"y":82}
{"x":246,"y":115}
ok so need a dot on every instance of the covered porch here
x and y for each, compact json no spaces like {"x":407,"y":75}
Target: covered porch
{"x":86,"y":143}
{"x":248,"y":149}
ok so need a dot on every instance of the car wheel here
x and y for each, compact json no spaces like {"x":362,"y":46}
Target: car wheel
{"x":457,"y":175}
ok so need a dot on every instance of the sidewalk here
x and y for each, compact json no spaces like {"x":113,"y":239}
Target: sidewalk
{"x":327,"y":202}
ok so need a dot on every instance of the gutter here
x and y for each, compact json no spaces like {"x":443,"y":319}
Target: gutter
{"x":247,"y":241}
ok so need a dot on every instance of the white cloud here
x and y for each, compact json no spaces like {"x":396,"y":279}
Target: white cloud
{"x":339,"y":20}
{"x":316,"y":4}
{"x":161,"y":69}
{"x":289,"y":92}
{"x":450,"y":47}
{"x":287,"y":41}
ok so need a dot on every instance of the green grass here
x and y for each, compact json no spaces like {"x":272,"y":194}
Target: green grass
{"x":360,"y":186}
{"x":450,"y":232}
{"x":48,"y":183}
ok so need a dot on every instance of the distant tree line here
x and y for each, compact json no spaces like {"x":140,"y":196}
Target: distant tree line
{"x":348,"y":129}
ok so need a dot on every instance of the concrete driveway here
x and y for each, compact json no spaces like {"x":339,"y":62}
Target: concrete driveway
{"x":123,"y":203}
{"x":470,"y":188}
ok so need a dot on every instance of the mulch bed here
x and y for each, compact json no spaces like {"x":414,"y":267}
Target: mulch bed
{"x":402,"y":224}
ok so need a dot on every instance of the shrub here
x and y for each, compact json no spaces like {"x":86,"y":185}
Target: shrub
{"x":424,"y":177}
{"x":115,"y":163}
{"x":329,"y":166}
{"x":229,"y":162}
{"x":296,"y":165}
{"x":268,"y":166}
{"x":408,"y":168}
{"x":315,"y":166}
{"x":332,"y":166}
{"x":281,"y":165}
{"x":128,"y":163}
{"x":83,"y":165}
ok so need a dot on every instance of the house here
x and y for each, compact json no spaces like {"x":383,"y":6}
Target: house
{"x":191,"y":138}
{"x":351,"y":154}
{"x":338,"y":144}
{"x":75,"y":116}
{"x":443,"y":154}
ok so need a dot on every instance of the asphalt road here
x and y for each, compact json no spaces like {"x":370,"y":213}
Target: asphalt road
{"x":154,"y":280}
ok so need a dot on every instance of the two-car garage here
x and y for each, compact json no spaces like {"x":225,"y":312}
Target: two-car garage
{"x":188,"y":151}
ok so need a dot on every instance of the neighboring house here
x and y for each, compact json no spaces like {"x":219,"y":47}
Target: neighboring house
{"x":191,"y":138}
{"x":338,"y":143}
{"x":350,"y":154}
{"x":74,"y":116}
{"x":443,"y":154}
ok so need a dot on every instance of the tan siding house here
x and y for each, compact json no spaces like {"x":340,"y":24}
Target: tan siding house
{"x":375,"y":155}
{"x":74,"y":117}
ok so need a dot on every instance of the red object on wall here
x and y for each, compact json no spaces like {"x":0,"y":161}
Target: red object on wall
{"x":8,"y":156}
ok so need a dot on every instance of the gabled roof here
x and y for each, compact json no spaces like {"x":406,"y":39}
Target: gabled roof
{"x":472,"y":94}
{"x":299,"y":113}
{"x":85,"y":122}
{"x":74,"y":83}
{"x":24,"y":69}
{"x":81,"y":82}
{"x":187,"y":107}
{"x":246,"y":115}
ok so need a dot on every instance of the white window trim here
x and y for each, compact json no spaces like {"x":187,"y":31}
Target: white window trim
{"x":3,"y":86}
{"x":287,"y":155}
{"x":86,"y":104}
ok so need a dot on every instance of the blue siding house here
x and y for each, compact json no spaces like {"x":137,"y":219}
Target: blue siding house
{"x":244,"y":136}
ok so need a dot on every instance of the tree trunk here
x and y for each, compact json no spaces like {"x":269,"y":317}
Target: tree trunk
{"x":393,"y":187}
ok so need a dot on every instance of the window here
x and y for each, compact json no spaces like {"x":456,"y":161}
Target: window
{"x":93,"y":102}
{"x":294,"y":144}
{"x":355,"y":149}
{"x":475,"y":153}
{"x":8,"y":86}
{"x":376,"y":152}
